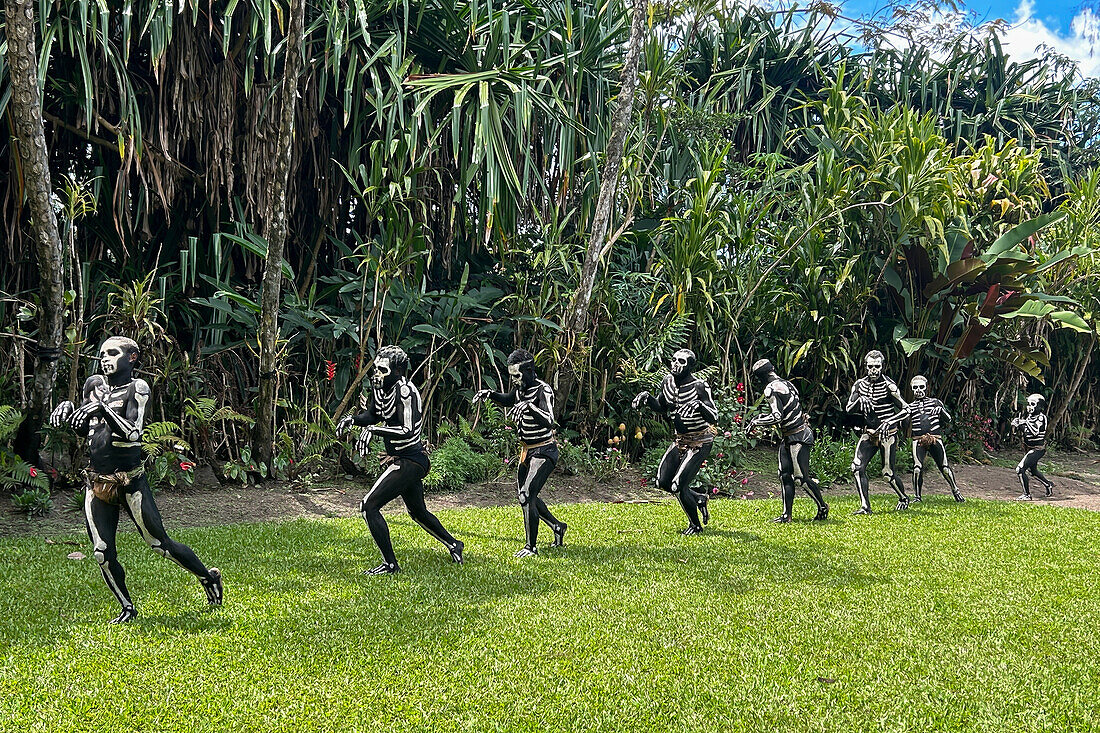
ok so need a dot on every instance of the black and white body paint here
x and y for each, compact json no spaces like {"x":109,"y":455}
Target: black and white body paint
{"x":111,"y":416}
{"x":1033,"y":425}
{"x":878,"y":400}
{"x":785,"y":413}
{"x":928,"y":419}
{"x":530,"y":405}
{"x":689,"y":402}
{"x":394,"y":414}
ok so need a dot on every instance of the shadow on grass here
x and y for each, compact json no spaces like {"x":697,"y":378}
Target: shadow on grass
{"x":308,"y":572}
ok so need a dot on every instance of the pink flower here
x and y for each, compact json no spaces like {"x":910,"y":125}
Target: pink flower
{"x":714,"y":490}
{"x":744,"y":481}
{"x":721,"y":455}
{"x":508,"y":428}
{"x":727,"y":434}
{"x":507,"y":461}
{"x":32,"y":471}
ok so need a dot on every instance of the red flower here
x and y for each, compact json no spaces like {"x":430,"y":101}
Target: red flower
{"x":737,"y":418}
{"x":740,"y":386}
{"x":330,"y":370}
{"x":32,"y":471}
{"x":740,"y":399}
{"x":186,"y":465}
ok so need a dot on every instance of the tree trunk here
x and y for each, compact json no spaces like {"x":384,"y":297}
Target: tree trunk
{"x":1068,"y":395}
{"x":30,"y":138}
{"x":263,"y":432}
{"x":577,"y":318}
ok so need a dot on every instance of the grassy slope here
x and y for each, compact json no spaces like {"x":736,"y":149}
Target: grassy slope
{"x":977,"y":617}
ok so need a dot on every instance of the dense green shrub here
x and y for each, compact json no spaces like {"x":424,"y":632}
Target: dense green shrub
{"x":456,"y":463}
{"x":33,"y":501}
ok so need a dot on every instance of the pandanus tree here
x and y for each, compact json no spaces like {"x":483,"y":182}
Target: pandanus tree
{"x":34,"y":184}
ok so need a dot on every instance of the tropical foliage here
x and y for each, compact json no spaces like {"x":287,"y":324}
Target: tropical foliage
{"x":788,"y":190}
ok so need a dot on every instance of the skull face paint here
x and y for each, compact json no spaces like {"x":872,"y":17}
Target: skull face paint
{"x":1033,"y":403}
{"x":382,"y":371}
{"x":117,"y":355}
{"x":919,"y":386}
{"x":873,"y":364}
{"x":517,"y":374}
{"x":682,"y":362}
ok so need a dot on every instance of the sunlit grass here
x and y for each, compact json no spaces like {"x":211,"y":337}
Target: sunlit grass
{"x":980,"y":617}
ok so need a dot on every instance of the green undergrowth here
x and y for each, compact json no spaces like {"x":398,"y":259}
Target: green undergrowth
{"x":975,"y":617}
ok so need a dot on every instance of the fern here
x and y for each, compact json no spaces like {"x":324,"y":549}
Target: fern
{"x":10,"y":420}
{"x":647,"y":363}
{"x":205,"y":411}
{"x":18,"y":474}
{"x":162,"y":437}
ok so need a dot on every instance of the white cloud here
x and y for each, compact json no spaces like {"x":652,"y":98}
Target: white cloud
{"x":1028,"y":33}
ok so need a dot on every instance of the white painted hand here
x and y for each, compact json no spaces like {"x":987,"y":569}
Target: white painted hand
{"x":62,"y":413}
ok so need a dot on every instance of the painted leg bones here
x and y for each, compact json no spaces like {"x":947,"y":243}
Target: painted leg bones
{"x":689,"y":402}
{"x":112,"y":415}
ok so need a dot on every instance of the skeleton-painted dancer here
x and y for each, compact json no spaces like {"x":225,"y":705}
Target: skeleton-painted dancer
{"x":877,"y":398}
{"x":1033,"y":425}
{"x":786,"y":414}
{"x":691,"y":406}
{"x":112,"y":415}
{"x":531,"y":407}
{"x":928,"y":420}
{"x":394,"y":413}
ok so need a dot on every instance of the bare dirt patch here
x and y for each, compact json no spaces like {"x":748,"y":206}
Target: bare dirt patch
{"x":1076,"y":477}
{"x":281,"y":501}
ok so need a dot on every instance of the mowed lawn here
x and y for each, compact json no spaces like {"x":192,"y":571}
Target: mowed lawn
{"x":979,"y":617}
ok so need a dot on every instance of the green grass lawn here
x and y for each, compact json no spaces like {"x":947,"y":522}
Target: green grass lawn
{"x":979,"y":617}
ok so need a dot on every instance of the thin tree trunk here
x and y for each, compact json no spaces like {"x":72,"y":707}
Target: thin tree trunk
{"x":577,"y":318}
{"x":26,"y":112}
{"x":1068,"y":394}
{"x":263,"y":432}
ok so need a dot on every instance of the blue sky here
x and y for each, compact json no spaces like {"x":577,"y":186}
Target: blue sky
{"x":1067,"y":26}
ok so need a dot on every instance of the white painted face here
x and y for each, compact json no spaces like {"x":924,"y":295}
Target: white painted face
{"x":874,"y":368}
{"x":920,"y":387}
{"x":113,"y":356}
{"x":1033,"y":403}
{"x":382,"y":370}
{"x":680,"y":361}
{"x":515,"y":373}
